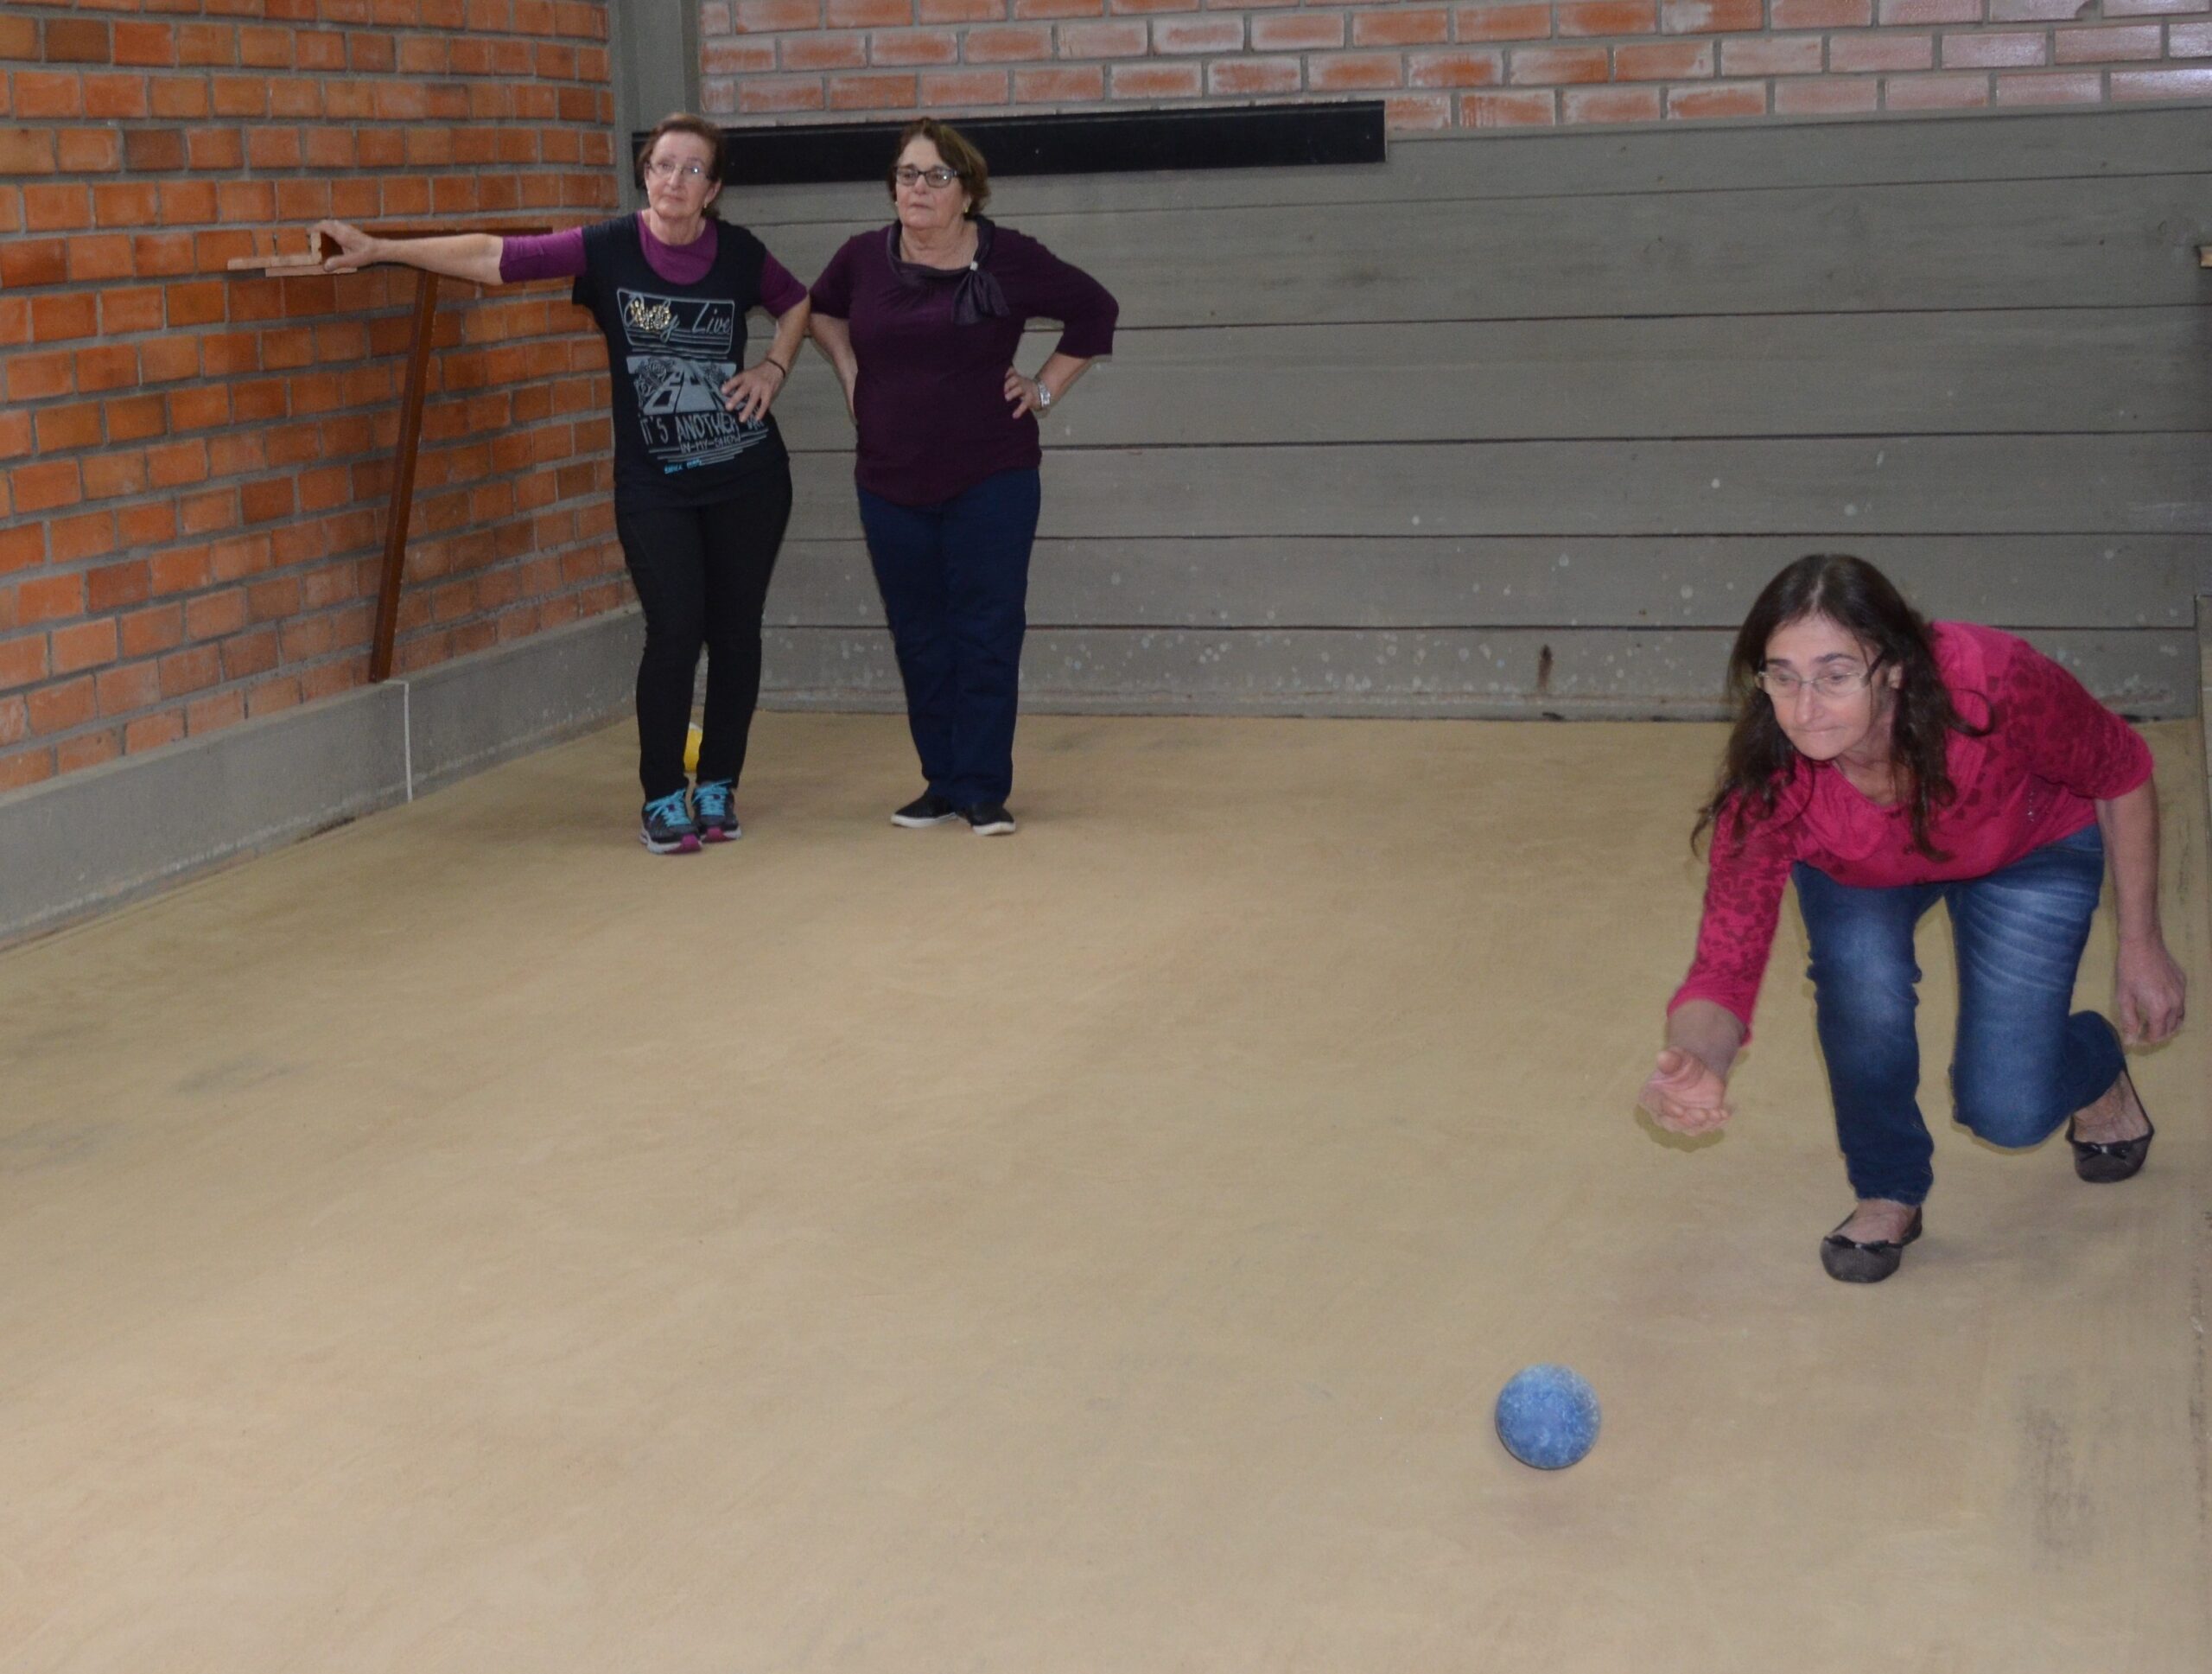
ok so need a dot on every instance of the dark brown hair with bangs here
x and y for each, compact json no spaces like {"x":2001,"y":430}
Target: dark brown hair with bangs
{"x":960,"y":156}
{"x":683,"y":122}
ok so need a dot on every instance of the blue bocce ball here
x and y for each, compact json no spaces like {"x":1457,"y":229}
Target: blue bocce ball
{"x":1548,"y":1416}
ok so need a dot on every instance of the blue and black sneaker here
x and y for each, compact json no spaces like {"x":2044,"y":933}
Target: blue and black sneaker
{"x":712,"y":812}
{"x":668,"y":829}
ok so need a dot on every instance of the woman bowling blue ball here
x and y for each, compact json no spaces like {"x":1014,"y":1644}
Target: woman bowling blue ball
{"x":1881,"y":764}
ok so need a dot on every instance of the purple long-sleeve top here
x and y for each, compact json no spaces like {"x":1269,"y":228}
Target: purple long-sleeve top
{"x":561,"y":255}
{"x":930,"y":401}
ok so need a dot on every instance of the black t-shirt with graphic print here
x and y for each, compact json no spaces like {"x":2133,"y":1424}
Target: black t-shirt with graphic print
{"x":669,"y":349}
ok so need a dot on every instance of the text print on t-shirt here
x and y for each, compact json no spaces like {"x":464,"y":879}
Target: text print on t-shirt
{"x":680,"y":357}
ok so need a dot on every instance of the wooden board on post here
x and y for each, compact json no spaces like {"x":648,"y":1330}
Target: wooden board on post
{"x":277,"y":263}
{"x":399,"y":507}
{"x":393,"y":572}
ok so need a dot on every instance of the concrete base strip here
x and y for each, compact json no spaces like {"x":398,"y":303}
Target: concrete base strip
{"x":95,"y":839}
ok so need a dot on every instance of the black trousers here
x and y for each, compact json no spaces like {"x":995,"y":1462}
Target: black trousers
{"x":701,"y":573}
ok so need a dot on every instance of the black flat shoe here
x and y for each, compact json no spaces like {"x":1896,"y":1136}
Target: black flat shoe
{"x":2101,"y":1162}
{"x":927,"y":809}
{"x":1865,"y":1264}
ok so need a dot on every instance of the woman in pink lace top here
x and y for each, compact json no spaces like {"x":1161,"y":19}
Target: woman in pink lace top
{"x":1882,"y":764}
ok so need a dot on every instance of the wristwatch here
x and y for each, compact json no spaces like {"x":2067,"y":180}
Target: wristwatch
{"x":1044,"y":395}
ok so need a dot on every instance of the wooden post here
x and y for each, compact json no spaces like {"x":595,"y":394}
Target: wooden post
{"x":403,"y":478}
{"x":401,"y":506}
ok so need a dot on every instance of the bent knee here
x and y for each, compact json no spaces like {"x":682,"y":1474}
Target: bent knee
{"x":2013,"y":1118}
{"x":1874,"y":998}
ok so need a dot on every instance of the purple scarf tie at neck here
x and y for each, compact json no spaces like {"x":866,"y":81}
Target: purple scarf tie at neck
{"x":975,"y":295}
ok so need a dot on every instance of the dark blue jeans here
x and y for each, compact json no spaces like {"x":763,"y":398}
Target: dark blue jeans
{"x":2022,"y":1065}
{"x":954,"y":578}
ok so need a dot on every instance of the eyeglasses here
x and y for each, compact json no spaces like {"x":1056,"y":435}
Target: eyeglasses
{"x":661,"y":168}
{"x":939,"y":177}
{"x":1831,"y":686}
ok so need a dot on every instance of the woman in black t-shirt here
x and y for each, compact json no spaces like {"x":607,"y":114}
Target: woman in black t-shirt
{"x":703,"y":488}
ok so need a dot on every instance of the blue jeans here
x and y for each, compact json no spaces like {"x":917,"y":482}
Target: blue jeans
{"x":2022,"y":1066}
{"x":954,"y":578}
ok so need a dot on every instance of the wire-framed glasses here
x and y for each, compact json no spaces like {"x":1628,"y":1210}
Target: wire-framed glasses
{"x":939,"y":177}
{"x":1830,"y":686}
{"x":663,"y":168}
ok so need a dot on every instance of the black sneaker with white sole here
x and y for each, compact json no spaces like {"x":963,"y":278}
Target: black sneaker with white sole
{"x":989,"y":819}
{"x":714,"y":811}
{"x":927,"y":809}
{"x":666,"y":827}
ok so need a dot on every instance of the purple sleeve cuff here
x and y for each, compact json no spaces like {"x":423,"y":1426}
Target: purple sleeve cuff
{"x":542,"y":256}
{"x":1086,"y":309}
{"x":1089,"y":338}
{"x":779,"y":292}
{"x":833,"y":288}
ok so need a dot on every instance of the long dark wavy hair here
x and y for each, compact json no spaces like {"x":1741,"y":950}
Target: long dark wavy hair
{"x":1860,"y":599}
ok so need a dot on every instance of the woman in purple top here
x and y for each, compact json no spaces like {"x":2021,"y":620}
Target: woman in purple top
{"x":922,"y":320}
{"x":702,"y":488}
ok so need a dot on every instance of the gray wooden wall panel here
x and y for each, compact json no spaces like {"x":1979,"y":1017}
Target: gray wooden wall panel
{"x":1390,"y":439}
{"x":1240,"y":581}
{"x":1936,"y":485}
{"x":2006,"y":244}
{"x":2036,"y":370}
{"x":1608,"y":672}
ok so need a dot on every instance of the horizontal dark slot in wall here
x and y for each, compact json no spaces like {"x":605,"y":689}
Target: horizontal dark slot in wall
{"x":1095,"y":142}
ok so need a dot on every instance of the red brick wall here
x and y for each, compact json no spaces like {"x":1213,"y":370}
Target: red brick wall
{"x":194,"y":463}
{"x":1500,"y":65}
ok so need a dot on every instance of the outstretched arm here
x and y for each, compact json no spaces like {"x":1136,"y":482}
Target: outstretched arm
{"x":1709,"y":1018}
{"x":1688,"y":1090}
{"x":471,"y":256}
{"x":2148,"y":987}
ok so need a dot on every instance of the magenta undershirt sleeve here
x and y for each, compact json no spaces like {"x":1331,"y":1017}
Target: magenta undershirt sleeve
{"x":561,"y":255}
{"x":542,"y":256}
{"x":779,"y":292}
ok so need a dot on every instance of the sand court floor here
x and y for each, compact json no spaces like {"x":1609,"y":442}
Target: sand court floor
{"x":462,"y":1242}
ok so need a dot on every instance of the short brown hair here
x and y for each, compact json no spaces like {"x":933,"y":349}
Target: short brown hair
{"x":960,"y":156}
{"x":683,"y":122}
